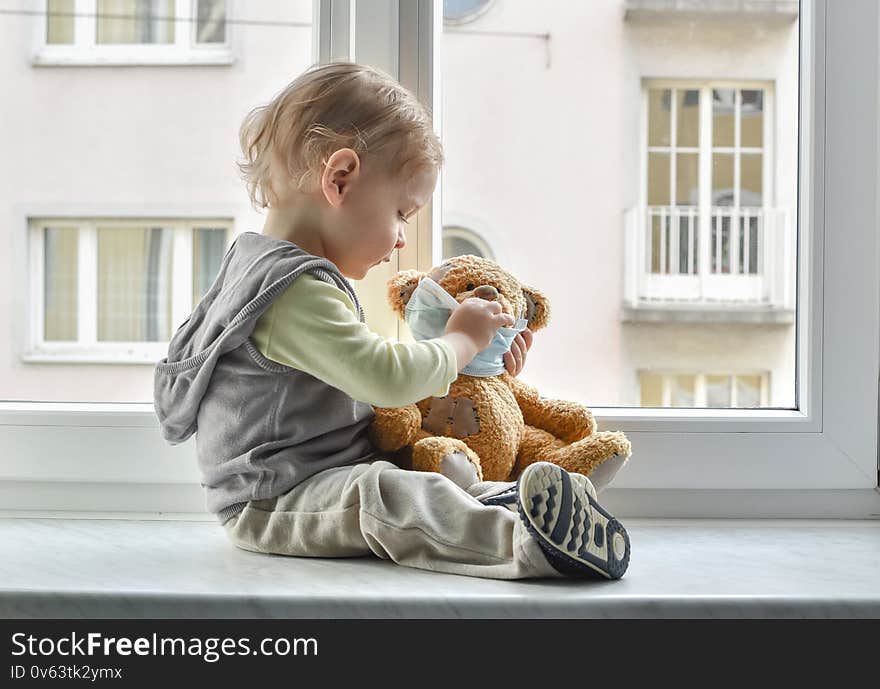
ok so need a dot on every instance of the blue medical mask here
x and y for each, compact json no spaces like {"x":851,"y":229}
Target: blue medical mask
{"x":427,"y":312}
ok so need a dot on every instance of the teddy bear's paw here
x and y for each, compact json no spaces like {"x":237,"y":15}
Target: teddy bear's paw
{"x":459,"y":469}
{"x":603,"y":474}
{"x":447,"y":456}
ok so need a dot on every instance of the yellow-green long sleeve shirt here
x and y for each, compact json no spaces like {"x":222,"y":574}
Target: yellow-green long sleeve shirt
{"x":313,"y":326}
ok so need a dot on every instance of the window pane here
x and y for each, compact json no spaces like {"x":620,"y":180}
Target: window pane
{"x":134,"y":284}
{"x":688,"y":117}
{"x":652,"y":389}
{"x":60,"y":286}
{"x":752,"y":182}
{"x":658,"y":179}
{"x":59,"y":21}
{"x":748,"y":391}
{"x":211,"y":25}
{"x":718,"y":391}
{"x":148,"y":152}
{"x":135,"y":21}
{"x":586,"y":185}
{"x":752,"y":119}
{"x":722,"y":179}
{"x":463,"y":11}
{"x":659,"y":118}
{"x":458,"y":246}
{"x":209,"y":248}
{"x":683,"y":391}
{"x":687,"y":179}
{"x":723,"y":121}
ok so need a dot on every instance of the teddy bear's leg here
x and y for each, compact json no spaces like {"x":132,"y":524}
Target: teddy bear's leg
{"x":537,"y":445}
{"x":581,"y":457}
{"x":447,"y":456}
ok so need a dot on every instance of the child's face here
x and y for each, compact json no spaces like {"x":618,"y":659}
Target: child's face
{"x":369,"y":222}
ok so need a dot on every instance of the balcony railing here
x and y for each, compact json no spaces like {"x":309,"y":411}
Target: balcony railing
{"x":727,"y":258}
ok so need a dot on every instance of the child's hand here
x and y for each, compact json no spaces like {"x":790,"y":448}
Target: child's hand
{"x":478,"y":319}
{"x":515,"y":359}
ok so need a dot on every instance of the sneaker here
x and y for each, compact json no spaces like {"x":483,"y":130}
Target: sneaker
{"x":508,"y":499}
{"x":600,"y":478}
{"x":578,"y":536}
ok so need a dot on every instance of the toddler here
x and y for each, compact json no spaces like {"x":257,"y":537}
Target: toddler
{"x":277,"y":373}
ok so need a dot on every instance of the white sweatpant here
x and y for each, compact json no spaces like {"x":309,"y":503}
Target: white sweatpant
{"x":417,"y":519}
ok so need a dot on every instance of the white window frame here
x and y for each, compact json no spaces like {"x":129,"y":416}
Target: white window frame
{"x":817,"y":460}
{"x":705,"y":147}
{"x":87,"y":348}
{"x":700,"y":385}
{"x":85,"y":51}
{"x":763,"y":290}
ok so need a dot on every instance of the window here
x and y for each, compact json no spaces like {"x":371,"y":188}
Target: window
{"x":694,"y":390}
{"x":709,"y":234}
{"x":464,"y":11}
{"x":817,"y":459}
{"x":460,"y":240}
{"x":664,"y":190}
{"x":134,"y":32}
{"x":113,"y":290}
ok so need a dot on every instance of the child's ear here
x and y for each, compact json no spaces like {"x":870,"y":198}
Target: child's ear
{"x":340,"y":170}
{"x":400,"y":289}
{"x":537,"y":308}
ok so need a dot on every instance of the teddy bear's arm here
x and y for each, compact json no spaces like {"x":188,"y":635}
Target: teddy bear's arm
{"x":394,"y":427}
{"x":566,"y":420}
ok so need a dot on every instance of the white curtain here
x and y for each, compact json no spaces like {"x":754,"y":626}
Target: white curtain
{"x":143,"y":21}
{"x":134,"y":284}
{"x":60,"y":311}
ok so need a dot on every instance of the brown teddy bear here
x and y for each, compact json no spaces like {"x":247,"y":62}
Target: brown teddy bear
{"x":496,"y":422}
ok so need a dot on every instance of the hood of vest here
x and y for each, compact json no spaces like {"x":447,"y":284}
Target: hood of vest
{"x":254,"y":271}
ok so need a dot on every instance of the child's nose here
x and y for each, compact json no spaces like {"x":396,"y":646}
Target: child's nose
{"x":401,"y":240}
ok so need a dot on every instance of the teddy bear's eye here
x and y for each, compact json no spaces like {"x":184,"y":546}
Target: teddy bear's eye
{"x":470,"y":286}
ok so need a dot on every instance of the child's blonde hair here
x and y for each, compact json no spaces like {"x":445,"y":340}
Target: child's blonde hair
{"x":328,"y":107}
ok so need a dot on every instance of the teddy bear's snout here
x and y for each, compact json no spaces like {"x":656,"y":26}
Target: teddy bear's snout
{"x":486,"y":292}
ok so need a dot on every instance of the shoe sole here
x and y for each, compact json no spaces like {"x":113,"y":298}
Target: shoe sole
{"x":578,"y":535}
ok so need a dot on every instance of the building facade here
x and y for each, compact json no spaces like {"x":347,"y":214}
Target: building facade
{"x":636,"y":161}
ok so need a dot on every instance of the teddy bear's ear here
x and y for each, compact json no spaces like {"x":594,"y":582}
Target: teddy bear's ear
{"x":400,"y":289}
{"x":537,"y":308}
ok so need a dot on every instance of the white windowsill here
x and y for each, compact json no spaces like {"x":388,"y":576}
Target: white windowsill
{"x":679,"y":568}
{"x":50,"y":59}
{"x":91,"y":358}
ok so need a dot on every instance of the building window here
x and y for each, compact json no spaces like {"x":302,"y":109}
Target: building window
{"x":211,"y":22}
{"x":134,"y":32}
{"x":134,"y":21}
{"x":713,"y":390}
{"x":458,"y":241}
{"x":707,"y":231}
{"x":457,"y":12}
{"x":116,"y":289}
{"x":730,"y":136}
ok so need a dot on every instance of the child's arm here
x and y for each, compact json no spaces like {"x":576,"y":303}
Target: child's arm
{"x":313,"y":326}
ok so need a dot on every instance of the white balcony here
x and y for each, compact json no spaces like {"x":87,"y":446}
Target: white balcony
{"x":778,"y":10}
{"x":731,"y":264}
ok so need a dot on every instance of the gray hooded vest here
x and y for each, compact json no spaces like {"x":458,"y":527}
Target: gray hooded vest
{"x":261,"y":427}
